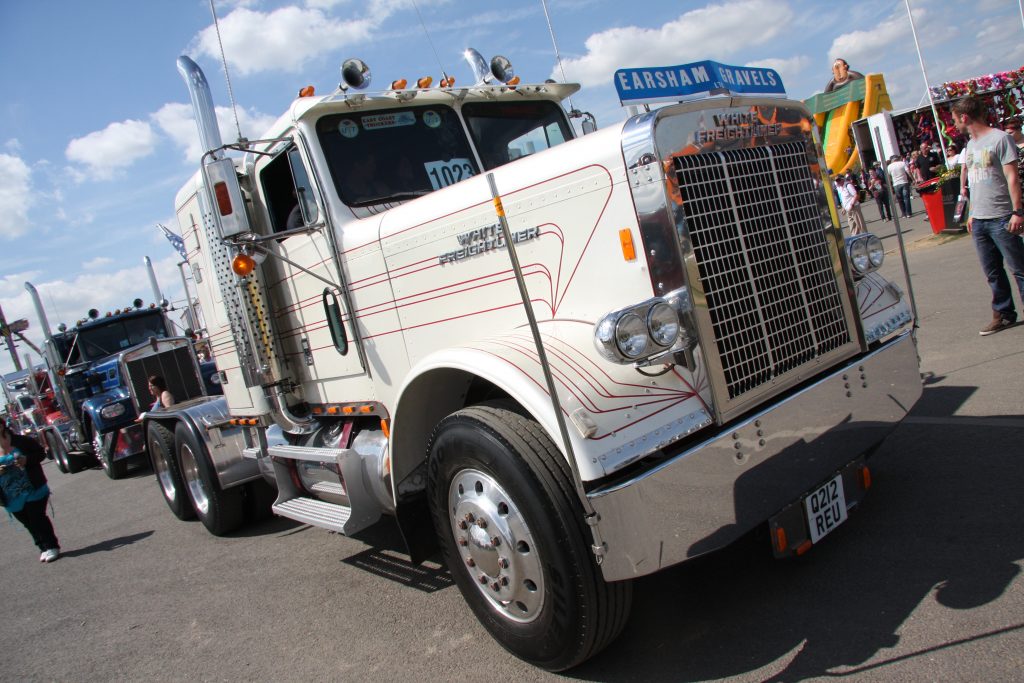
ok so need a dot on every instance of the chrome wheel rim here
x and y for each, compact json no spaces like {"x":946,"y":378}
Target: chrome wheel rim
{"x":190,"y":472}
{"x":496,"y":546}
{"x":163,"y":472}
{"x":97,"y":448}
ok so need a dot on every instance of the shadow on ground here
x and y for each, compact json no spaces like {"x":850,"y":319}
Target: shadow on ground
{"x":941,"y":522}
{"x":106,"y":546}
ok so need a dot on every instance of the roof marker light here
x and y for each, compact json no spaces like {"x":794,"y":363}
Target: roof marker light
{"x":399,"y":84}
{"x":307,"y":91}
{"x":424,"y":82}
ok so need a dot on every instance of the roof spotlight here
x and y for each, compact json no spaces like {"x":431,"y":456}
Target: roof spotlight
{"x":355,"y":74}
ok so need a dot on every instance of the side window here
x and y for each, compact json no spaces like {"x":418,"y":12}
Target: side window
{"x":288,"y":192}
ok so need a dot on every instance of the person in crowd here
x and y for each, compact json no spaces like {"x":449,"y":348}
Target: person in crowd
{"x":23,"y":489}
{"x":954,"y":156}
{"x":929,"y":162}
{"x":900,"y":176}
{"x":876,"y":185}
{"x":851,"y":205}
{"x":1012,"y":127}
{"x":158,"y":388}
{"x":996,"y":218}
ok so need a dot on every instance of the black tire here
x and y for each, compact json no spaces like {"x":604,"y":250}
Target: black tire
{"x":160,"y":444}
{"x":220,"y":510}
{"x":538,"y":590}
{"x":57,"y":451}
{"x":115,"y":469}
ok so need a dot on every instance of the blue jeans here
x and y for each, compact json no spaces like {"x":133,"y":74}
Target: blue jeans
{"x":902,"y":193}
{"x":995,"y":246}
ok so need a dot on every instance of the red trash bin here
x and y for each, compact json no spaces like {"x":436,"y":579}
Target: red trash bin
{"x":932,"y":198}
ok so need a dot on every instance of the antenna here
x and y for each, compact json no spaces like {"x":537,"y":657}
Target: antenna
{"x":429,"y":40}
{"x":231,"y":94}
{"x":554,"y":43}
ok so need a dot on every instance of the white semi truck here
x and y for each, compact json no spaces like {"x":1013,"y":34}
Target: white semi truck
{"x":564,"y":362}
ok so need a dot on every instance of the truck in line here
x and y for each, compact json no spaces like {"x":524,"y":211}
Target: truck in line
{"x":562,"y":361}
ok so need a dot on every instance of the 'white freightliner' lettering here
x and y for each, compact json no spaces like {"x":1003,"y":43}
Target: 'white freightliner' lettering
{"x":483,"y":240}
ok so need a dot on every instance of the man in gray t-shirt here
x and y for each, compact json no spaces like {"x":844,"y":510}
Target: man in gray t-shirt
{"x":997,"y":217}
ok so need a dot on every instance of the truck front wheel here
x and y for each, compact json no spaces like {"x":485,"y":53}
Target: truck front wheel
{"x":58,"y":452}
{"x":160,"y":442}
{"x":220,"y":510}
{"x":512,"y":531}
{"x":103,"y":444}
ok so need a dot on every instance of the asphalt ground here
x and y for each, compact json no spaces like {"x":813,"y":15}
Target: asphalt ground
{"x":922,"y":583}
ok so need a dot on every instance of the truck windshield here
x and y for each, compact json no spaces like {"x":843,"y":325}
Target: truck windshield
{"x":397,"y":154}
{"x":107,"y":339}
{"x":506,"y":131}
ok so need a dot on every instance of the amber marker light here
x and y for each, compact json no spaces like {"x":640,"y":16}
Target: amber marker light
{"x":865,"y":477}
{"x":803,"y":547}
{"x":243,"y":264}
{"x":365,"y":409}
{"x":447,"y":82}
{"x":348,"y":410}
{"x":626,"y":241}
{"x":333,"y":410}
{"x":384,"y":428}
{"x":399,"y":84}
{"x":780,"y":540}
{"x":424,"y":82}
{"x":513,"y":81}
{"x":308,"y":91}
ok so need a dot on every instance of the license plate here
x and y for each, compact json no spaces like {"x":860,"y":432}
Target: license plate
{"x":826,"y":508}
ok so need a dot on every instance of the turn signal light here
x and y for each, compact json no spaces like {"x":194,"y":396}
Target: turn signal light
{"x":399,"y":84}
{"x":424,"y":82}
{"x":243,"y":264}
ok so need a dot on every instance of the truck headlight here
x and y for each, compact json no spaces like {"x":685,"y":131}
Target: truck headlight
{"x":112,"y":411}
{"x":866,"y":253}
{"x":645,"y":331}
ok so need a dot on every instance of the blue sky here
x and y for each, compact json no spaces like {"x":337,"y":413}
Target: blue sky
{"x":96,"y":136}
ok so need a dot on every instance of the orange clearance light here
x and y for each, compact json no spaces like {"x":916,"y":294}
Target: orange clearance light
{"x":317,"y":410}
{"x":626,"y":241}
{"x":348,"y":410}
{"x":384,"y":428}
{"x":780,"y":540}
{"x":223,"y":198}
{"x":399,"y":84}
{"x":447,"y":82}
{"x":803,"y":547}
{"x":243,"y":264}
{"x":308,"y":91}
{"x":333,"y":410}
{"x":365,"y":409}
{"x":424,"y":82}
{"x":865,"y":477}
{"x":513,"y":81}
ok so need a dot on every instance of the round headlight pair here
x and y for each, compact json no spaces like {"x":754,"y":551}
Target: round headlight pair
{"x":866,"y":253}
{"x":639,"y":332}
{"x":112,"y":411}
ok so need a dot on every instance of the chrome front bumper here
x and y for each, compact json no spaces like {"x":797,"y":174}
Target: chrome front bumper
{"x":708,"y":496}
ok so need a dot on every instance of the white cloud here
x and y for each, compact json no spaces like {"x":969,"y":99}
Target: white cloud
{"x":13,"y":145}
{"x":282,"y":40}
{"x":176,"y":120}
{"x":98,"y":263}
{"x":787,"y":68}
{"x":15,"y":195}
{"x":865,"y":46}
{"x":105,"y":152}
{"x":697,"y":34}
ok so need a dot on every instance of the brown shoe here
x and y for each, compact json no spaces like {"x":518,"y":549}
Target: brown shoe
{"x":998,"y":323}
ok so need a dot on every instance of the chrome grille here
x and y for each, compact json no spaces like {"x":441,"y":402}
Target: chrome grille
{"x":769,"y":281}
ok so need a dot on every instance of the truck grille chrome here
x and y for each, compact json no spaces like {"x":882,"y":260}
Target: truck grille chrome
{"x":772,"y":289}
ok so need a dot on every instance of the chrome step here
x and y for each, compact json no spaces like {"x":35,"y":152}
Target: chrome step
{"x":329,"y":487}
{"x":315,"y":512}
{"x":328,"y":455}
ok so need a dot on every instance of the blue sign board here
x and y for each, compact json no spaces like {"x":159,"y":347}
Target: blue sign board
{"x":690,"y":81}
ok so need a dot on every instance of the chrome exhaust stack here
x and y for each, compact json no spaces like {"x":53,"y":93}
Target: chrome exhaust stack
{"x":202,"y":107}
{"x":40,"y":313}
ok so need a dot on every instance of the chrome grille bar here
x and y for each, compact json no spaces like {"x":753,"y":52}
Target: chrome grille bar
{"x":770,"y":284}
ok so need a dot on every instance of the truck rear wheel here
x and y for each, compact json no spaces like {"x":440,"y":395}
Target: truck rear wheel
{"x":512,"y":532}
{"x":160,"y":442}
{"x":220,"y":510}
{"x":58,"y":452}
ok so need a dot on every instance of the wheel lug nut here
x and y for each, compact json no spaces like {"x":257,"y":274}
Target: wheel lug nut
{"x":470,"y":562}
{"x":482,"y":523}
{"x":469,"y":517}
{"x":503,"y":562}
{"x":495,"y":541}
{"x":462,"y":542}
{"x":462,"y":524}
{"x":482,"y":578}
{"x":495,"y":586}
{"x":504,"y":581}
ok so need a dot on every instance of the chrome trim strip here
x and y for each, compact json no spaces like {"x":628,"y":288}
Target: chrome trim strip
{"x":708,"y":496}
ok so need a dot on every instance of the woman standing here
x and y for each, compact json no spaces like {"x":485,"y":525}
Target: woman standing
{"x":23,"y":489}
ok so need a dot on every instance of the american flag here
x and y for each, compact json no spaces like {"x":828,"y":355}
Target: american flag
{"x":175,"y":240}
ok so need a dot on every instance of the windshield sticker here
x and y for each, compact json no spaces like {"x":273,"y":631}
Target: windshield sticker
{"x":376,"y":121}
{"x":348,"y":128}
{"x":431,"y":118}
{"x":445,"y":173}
